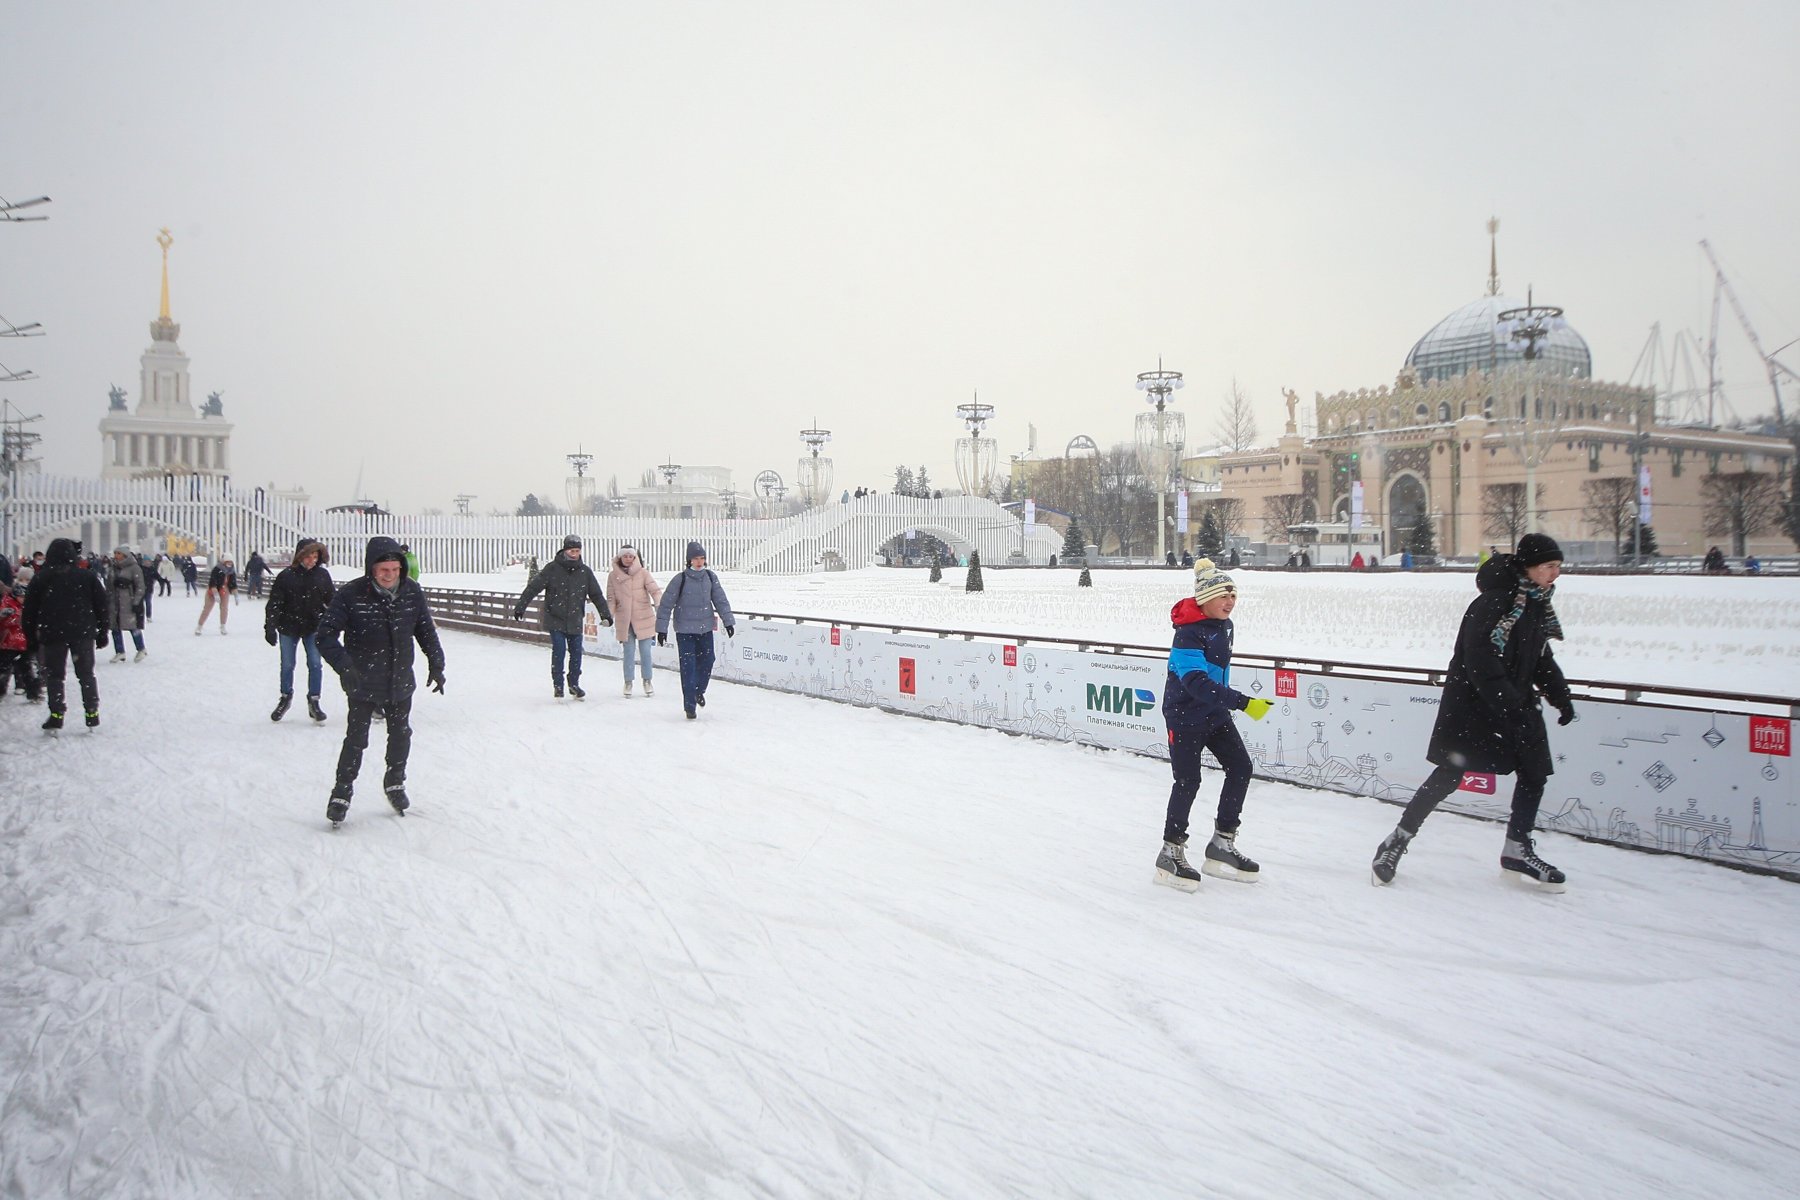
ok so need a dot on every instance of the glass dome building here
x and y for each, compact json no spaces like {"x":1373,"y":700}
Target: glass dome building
{"x":1470,"y":339}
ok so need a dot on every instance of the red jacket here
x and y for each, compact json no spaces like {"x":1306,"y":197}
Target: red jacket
{"x":12,"y":622}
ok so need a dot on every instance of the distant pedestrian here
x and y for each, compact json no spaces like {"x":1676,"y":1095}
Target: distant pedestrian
{"x":1489,"y":719}
{"x":66,"y":619}
{"x":1198,"y":701}
{"x":1752,"y":565}
{"x":147,"y":567}
{"x":568,"y":584}
{"x":219,"y":586}
{"x":689,"y":604}
{"x":367,"y":635}
{"x":166,"y":570}
{"x":633,"y":593}
{"x":255,"y":569}
{"x":190,"y":573}
{"x":125,"y":594}
{"x":1406,"y":560}
{"x":297,"y":602}
{"x":1714,"y":562}
{"x":1356,"y":561}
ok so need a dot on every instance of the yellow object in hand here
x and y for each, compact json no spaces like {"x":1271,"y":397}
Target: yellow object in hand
{"x":1258,"y":708}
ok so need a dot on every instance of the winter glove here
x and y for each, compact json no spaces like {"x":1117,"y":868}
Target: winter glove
{"x":731,"y":631}
{"x":137,"y":612}
{"x":662,"y":639}
{"x":269,"y":635}
{"x":1568,"y":714}
{"x":606,"y":621}
{"x":1258,"y":708}
{"x":518,"y":614}
{"x":436,"y":680}
{"x":351,"y":678}
{"x":100,"y":640}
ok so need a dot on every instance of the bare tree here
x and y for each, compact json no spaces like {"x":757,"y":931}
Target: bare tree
{"x":1531,"y":410}
{"x":1228,"y":513}
{"x":1236,"y":429}
{"x":1609,"y":506}
{"x":1280,"y":511}
{"x":1741,"y":505}
{"x":1504,"y":513}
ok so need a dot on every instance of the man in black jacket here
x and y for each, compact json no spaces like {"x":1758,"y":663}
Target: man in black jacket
{"x":66,"y":618}
{"x":378,"y":616}
{"x":297,"y":601}
{"x":568,"y":584}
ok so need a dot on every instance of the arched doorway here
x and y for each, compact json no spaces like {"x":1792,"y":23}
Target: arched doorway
{"x":1407,"y":506}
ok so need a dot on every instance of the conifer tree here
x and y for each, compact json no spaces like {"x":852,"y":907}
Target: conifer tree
{"x":1086,"y":579}
{"x":1073,"y":546}
{"x":1209,"y":542}
{"x":1421,"y":539}
{"x":937,"y":568}
{"x":973,"y":583}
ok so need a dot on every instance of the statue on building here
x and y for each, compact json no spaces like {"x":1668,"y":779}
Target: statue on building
{"x":214,"y":406}
{"x":1293,"y":402}
{"x":116,"y":394}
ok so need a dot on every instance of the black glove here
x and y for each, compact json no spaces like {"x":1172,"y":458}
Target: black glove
{"x":100,"y":640}
{"x":351,"y":678}
{"x":662,"y":639}
{"x":269,"y":635}
{"x":518,"y":614}
{"x":606,"y":621}
{"x":137,"y":611}
{"x":1568,"y":714}
{"x":731,"y":631}
{"x":436,"y":681}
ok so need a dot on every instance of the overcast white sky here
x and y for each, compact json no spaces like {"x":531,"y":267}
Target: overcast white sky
{"x":456,"y":240}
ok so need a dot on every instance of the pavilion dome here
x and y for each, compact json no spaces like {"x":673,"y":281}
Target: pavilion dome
{"x":1471,"y":339}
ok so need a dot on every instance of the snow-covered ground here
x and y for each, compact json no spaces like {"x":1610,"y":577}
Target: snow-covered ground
{"x":802,"y":949}
{"x":1719,"y":634}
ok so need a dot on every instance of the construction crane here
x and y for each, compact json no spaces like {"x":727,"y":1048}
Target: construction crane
{"x":1774,"y":368}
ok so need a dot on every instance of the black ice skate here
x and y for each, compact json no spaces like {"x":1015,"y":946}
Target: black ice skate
{"x":1387,"y":856}
{"x":53,"y":723}
{"x":690,"y":713}
{"x":1172,"y":868}
{"x":1223,"y":861}
{"x":336,"y":809}
{"x":93,"y":720}
{"x":313,"y":710}
{"x":558,"y":692}
{"x":575,"y":690}
{"x":396,"y":794}
{"x":1520,"y":861}
{"x":281,"y":706}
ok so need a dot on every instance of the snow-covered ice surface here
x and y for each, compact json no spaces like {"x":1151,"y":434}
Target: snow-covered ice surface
{"x":800,"y":949}
{"x":1715,"y":634}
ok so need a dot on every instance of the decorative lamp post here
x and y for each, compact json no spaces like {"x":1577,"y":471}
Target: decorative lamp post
{"x":579,"y":489}
{"x":770,"y":486}
{"x":1160,"y":436}
{"x":815,"y":477}
{"x":1530,"y":437}
{"x":669,"y":471}
{"x":977,"y":457}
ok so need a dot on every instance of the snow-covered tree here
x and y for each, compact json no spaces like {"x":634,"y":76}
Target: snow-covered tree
{"x":1086,"y":579}
{"x":1073,"y":547}
{"x":973,"y":583}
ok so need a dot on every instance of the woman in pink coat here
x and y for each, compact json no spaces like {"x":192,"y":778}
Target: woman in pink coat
{"x":632,"y":594}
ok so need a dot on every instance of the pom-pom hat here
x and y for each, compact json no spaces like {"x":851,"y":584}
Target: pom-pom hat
{"x":1210,"y":583}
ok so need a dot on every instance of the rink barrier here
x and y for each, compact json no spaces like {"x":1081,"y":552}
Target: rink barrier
{"x":1702,"y":774}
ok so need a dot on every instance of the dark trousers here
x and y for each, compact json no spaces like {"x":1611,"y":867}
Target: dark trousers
{"x":559,"y":641}
{"x":57,"y":656}
{"x":149,"y":593}
{"x":696,"y":665}
{"x":356,"y":740}
{"x":1185,"y":747}
{"x":163,"y":587}
{"x":1528,"y":793}
{"x":22,"y":666}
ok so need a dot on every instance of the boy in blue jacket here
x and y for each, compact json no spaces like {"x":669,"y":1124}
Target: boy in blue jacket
{"x":1197,"y":705}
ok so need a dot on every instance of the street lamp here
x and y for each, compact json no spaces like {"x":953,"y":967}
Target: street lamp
{"x":976,"y":456}
{"x":815,"y":472}
{"x":669,"y":471}
{"x":1155,"y":451}
{"x":1530,"y":325}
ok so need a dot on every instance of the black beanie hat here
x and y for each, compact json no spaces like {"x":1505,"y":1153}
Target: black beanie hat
{"x":572,"y":542}
{"x":1536,"y":548}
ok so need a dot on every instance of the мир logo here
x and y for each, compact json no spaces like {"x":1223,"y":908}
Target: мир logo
{"x":1126,"y":701}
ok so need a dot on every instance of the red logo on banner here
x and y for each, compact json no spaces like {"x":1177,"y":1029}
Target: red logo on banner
{"x":1009,"y":656}
{"x":1287,"y":683}
{"x":1478,"y":781}
{"x":1769,"y":735}
{"x":908,"y":677}
{"x":835,"y":635}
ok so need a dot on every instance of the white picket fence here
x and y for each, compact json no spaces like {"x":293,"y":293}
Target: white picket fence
{"x":219,"y":519}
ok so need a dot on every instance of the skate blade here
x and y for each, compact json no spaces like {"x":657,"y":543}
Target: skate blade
{"x":1219,"y":870}
{"x":1533,"y":883}
{"x":1170,"y":879}
{"x":1377,"y":881}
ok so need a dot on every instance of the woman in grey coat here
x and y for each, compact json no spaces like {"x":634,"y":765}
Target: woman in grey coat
{"x":689,"y":603}
{"x":125,"y":595}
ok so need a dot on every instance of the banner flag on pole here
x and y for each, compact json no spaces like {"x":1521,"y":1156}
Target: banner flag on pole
{"x":1644,"y":494}
{"x":1181,"y":511}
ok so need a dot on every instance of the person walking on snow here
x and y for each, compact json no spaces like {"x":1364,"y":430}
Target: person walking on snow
{"x":1489,"y":719}
{"x":66,"y":618}
{"x":1197,"y":705}
{"x":256,"y":568}
{"x":367,"y":635}
{"x":689,"y":602}
{"x":568,"y":584}
{"x":633,"y":593}
{"x":125,"y":593}
{"x":12,"y":641}
{"x":297,"y":602}
{"x":219,"y":586}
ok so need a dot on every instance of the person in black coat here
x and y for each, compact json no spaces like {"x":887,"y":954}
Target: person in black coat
{"x":297,"y":600}
{"x":66,"y":618}
{"x":568,"y":585}
{"x":1490,"y":720}
{"x":367,"y":635}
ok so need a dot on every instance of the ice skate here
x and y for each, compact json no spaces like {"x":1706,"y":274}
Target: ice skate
{"x":119,"y":657}
{"x":648,"y":690}
{"x":575,"y":690}
{"x":1387,"y":856}
{"x":690,"y":713}
{"x":700,"y":699}
{"x":1224,"y":861}
{"x":628,"y":689}
{"x":1519,"y":860}
{"x":336,"y":809}
{"x":281,"y":706}
{"x":396,"y":796}
{"x":1172,"y":868}
{"x":93,"y":720}
{"x":53,"y":723}
{"x":313,"y":710}
{"x":140,"y":656}
{"x":557,"y":692}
